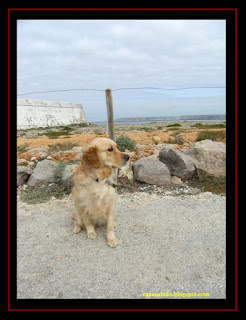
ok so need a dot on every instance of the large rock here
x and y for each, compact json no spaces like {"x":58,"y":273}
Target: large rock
{"x":209,"y":158}
{"x":38,"y":153}
{"x":152,"y":171}
{"x":178,"y":163}
{"x":68,"y":173}
{"x":67,"y":155}
{"x":23,"y":174}
{"x":43,"y":173}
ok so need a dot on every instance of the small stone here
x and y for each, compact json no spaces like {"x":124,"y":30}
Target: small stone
{"x":156,"y":139}
{"x":176,"y":180}
{"x":22,"y":162}
{"x":31,"y":165}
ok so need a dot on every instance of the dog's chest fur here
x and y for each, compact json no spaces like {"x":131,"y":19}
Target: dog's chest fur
{"x":97,"y":196}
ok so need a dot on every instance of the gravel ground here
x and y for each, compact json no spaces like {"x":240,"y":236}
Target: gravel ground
{"x":165,"y":243}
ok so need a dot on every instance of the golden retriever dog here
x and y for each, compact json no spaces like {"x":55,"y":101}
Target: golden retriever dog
{"x":94,"y":191}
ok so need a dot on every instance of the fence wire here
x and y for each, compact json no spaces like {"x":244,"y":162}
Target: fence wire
{"x":118,"y":89}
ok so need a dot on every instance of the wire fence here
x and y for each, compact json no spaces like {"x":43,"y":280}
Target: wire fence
{"x":118,"y":89}
{"x":153,"y":118}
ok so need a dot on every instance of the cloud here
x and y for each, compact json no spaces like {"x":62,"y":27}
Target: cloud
{"x":63,"y":54}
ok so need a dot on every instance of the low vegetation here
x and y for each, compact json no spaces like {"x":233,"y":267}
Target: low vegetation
{"x":56,"y":134}
{"x":209,"y":126}
{"x":173,"y":125}
{"x":58,"y":188}
{"x":124,"y":142}
{"x":209,"y":185}
{"x":211,"y":135}
{"x":98,"y":132}
{"x":216,"y":187}
{"x":23,"y":148}
{"x":146,"y":129}
{"x":61,"y":147}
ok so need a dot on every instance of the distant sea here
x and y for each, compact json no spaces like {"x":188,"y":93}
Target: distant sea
{"x":125,"y":121}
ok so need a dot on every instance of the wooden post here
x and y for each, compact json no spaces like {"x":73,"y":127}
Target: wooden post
{"x":110,"y":110}
{"x":109,"y":102}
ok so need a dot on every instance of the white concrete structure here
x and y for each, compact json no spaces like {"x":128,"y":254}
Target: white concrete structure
{"x":44,"y":113}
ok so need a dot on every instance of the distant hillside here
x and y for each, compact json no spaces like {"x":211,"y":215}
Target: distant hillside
{"x":208,"y":117}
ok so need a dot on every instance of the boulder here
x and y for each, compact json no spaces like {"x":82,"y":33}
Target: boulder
{"x":23,"y":174}
{"x":152,"y":171}
{"x":67,"y":155}
{"x":43,"y":173}
{"x":178,"y":163}
{"x":180,"y":138}
{"x":37,"y":153}
{"x":68,"y":173}
{"x":209,"y":158}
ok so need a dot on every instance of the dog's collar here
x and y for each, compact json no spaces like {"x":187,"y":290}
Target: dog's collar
{"x":111,"y":184}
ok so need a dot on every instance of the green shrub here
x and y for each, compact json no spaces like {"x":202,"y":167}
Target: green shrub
{"x":61,"y":146}
{"x":211,"y":135}
{"x":59,"y":172}
{"x":146,"y":129}
{"x":98,"y":132}
{"x":197,"y":125}
{"x":174,"y":125}
{"x":124,"y":142}
{"x":56,"y":134}
{"x":83,"y":124}
{"x":207,"y":126}
{"x":23,"y":148}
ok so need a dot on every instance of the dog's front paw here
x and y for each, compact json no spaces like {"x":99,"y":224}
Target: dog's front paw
{"x":92,"y":235}
{"x":112,"y":242}
{"x":77,"y":229}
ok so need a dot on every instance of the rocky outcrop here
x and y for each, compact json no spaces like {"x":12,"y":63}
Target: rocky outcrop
{"x":23,"y":174}
{"x":67,"y":155}
{"x":43,"y":173}
{"x":168,"y":165}
{"x":68,"y":173}
{"x":152,"y":171}
{"x":209,"y":158}
{"x":37,"y":153}
{"x":178,"y":163}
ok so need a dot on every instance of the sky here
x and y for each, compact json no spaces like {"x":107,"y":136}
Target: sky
{"x":101,"y":54}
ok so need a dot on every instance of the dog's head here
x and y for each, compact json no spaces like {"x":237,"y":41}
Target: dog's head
{"x":103,"y":153}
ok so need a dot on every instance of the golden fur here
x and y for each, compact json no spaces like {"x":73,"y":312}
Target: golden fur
{"x":94,"y":192}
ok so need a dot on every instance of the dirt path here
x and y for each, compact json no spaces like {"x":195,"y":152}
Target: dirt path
{"x":165,"y":243}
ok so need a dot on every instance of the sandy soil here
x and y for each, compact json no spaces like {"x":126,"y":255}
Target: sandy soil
{"x":140,"y":137}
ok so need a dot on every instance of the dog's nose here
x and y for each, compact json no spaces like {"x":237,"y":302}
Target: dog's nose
{"x":127,"y":157}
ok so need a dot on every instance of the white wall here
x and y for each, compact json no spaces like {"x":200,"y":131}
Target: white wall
{"x":44,"y":113}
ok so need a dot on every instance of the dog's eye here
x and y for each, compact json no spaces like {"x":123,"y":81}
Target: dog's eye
{"x":110,"y":149}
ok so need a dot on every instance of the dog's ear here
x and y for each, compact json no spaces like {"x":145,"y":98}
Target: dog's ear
{"x":90,"y":157}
